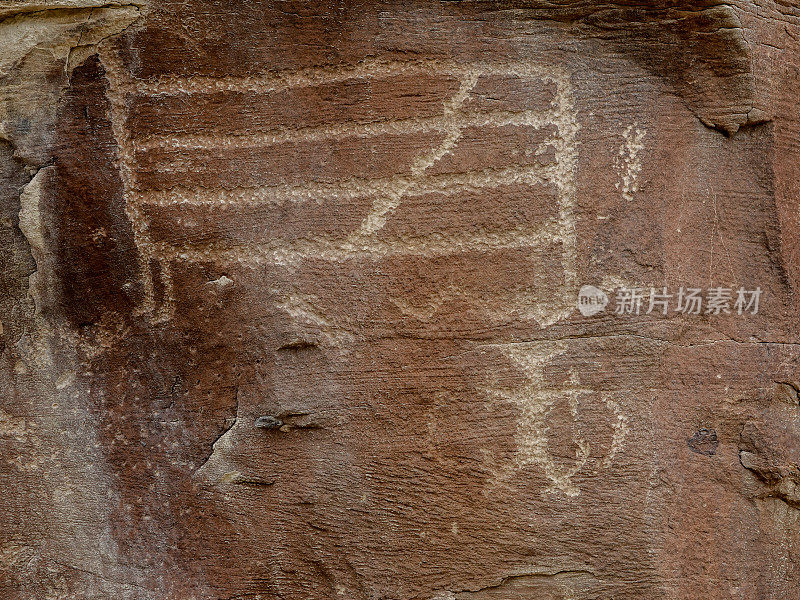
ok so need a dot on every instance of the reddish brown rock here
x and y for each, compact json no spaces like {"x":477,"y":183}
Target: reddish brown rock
{"x":289,"y":300}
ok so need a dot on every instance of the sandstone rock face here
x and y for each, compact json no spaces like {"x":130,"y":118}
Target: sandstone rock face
{"x":289,"y":300}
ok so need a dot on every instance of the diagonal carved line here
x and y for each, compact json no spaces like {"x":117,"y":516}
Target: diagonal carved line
{"x":385,"y":205}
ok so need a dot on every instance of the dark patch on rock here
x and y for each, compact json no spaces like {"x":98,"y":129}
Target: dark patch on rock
{"x":92,"y":235}
{"x":703,"y":442}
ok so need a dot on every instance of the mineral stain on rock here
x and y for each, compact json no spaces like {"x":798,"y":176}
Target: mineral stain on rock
{"x":703,"y":442}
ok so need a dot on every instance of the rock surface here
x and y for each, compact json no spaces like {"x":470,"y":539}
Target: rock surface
{"x":288,"y":300}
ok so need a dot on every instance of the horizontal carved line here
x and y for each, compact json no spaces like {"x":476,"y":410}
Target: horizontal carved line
{"x":313,"y":76}
{"x":448,"y":184}
{"x":528,"y":118}
{"x":281,"y":252}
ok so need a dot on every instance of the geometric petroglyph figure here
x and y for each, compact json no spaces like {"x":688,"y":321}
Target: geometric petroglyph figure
{"x":536,"y":400}
{"x":447,"y":128}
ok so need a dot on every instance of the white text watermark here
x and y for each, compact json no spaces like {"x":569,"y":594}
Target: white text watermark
{"x":684,"y":300}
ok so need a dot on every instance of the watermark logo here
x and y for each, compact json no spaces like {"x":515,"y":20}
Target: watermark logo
{"x":591,"y":300}
{"x":686,"y":300}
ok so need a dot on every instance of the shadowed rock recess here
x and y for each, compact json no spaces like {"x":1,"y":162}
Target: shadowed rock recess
{"x":399,"y":300}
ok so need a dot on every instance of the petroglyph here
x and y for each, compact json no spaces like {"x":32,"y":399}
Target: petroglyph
{"x":333,"y":250}
{"x":628,"y":161}
{"x":383,"y":206}
{"x":386,"y":193}
{"x":620,"y":425}
{"x":41,"y":43}
{"x":536,"y":401}
{"x":435,"y":302}
{"x":369,"y":68}
{"x":302,"y":310}
{"x":445,"y":184}
{"x":444,"y":123}
{"x":147,"y":250}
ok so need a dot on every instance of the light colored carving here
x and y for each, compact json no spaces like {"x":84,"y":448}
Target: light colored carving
{"x":536,"y":400}
{"x":387,"y":193}
{"x":629,"y":161}
{"x":620,"y":425}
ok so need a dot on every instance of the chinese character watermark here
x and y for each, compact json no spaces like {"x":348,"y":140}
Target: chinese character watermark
{"x":684,"y":300}
{"x":629,"y":301}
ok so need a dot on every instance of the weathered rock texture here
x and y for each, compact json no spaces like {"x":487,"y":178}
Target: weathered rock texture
{"x":288,"y":300}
